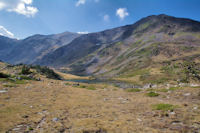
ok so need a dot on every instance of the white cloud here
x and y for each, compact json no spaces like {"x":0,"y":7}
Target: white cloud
{"x":23,"y":7}
{"x":5,"y":32}
{"x":80,"y":2}
{"x":83,"y":32}
{"x":106,"y":18}
{"x":122,"y":13}
{"x":2,"y":5}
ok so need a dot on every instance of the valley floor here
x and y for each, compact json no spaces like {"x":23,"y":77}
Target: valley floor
{"x":63,"y":106}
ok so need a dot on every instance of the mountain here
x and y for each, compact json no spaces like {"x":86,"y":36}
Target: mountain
{"x":6,"y":46}
{"x":145,"y":48}
{"x":156,"y":49}
{"x":83,"y":46}
{"x":32,"y":48}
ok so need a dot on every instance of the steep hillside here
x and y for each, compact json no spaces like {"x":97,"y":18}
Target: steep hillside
{"x":146,"y":48}
{"x":6,"y":46}
{"x":155,"y":49}
{"x":83,"y":46}
{"x":34,"y":47}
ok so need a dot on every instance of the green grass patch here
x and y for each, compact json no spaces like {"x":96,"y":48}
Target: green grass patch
{"x":83,"y":86}
{"x":119,"y":43}
{"x":19,"y":82}
{"x":195,"y":86}
{"x":143,"y":26}
{"x":4,"y":79}
{"x":154,"y":79}
{"x":10,"y":85}
{"x":161,"y":80}
{"x":175,"y":88}
{"x":13,"y":81}
{"x":90,"y":88}
{"x":152,"y":94}
{"x":163,"y":90}
{"x":115,"y":89}
{"x":26,"y":78}
{"x":152,"y":37}
{"x":133,"y":90}
{"x":164,"y":107}
{"x":135,"y":73}
{"x":150,"y":89}
{"x":67,"y":84}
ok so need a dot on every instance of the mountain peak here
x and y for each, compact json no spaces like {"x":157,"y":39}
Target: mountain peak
{"x":163,"y":15}
{"x":67,"y":48}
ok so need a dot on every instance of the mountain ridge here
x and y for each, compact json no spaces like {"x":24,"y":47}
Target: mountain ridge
{"x":169,"y":25}
{"x":123,"y":51}
{"x":36,"y":46}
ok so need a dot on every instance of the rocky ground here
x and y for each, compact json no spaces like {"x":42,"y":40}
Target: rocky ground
{"x":61,"y":106}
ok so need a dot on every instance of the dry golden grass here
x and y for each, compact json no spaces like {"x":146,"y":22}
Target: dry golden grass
{"x":135,"y":79}
{"x":54,"y":106}
{"x":70,"y":76}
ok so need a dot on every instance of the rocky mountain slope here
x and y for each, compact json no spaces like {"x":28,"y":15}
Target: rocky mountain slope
{"x":152,"y":46}
{"x":33,"y":48}
{"x":83,"y":46}
{"x":156,"y":49}
{"x":6,"y":46}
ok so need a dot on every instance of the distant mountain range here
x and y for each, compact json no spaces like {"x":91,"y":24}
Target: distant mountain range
{"x":32,"y":48}
{"x":147,"y":44}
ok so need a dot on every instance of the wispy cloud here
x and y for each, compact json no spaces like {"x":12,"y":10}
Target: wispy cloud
{"x":83,"y":32}
{"x":23,"y":7}
{"x":80,"y":2}
{"x":106,"y":18}
{"x":5,"y":32}
{"x":122,"y":13}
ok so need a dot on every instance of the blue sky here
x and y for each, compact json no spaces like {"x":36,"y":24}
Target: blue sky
{"x":22,"y":18}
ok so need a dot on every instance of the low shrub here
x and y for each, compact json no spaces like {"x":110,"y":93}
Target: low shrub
{"x":152,"y":94}
{"x":25,"y":70}
{"x":10,"y":85}
{"x":49,"y":73}
{"x":67,"y":84}
{"x":164,"y":107}
{"x":83,"y":86}
{"x":133,"y":90}
{"x":3,"y":75}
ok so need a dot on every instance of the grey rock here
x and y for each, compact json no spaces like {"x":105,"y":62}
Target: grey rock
{"x":147,"y":86}
{"x":55,"y":119}
{"x":3,"y":91}
{"x":187,"y":94}
{"x":195,"y":108}
{"x":19,"y":78}
{"x":194,"y":85}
